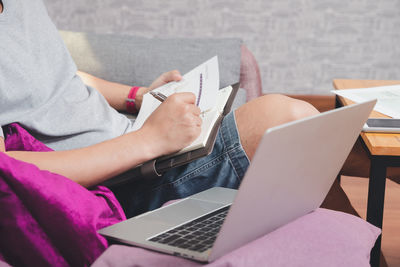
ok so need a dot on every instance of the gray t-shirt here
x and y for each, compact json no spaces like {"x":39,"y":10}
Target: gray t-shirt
{"x":39,"y":87}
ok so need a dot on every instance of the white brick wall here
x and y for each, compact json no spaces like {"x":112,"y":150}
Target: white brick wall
{"x":301,"y":45}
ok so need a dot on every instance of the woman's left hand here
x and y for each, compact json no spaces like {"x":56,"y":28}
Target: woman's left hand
{"x":170,"y":76}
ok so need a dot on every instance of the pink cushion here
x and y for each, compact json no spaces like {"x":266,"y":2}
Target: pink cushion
{"x":321,"y":238}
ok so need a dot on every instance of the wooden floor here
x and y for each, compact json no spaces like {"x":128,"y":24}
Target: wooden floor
{"x":356,"y":189}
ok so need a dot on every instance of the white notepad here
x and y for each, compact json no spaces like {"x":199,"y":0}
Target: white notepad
{"x":203,"y":81}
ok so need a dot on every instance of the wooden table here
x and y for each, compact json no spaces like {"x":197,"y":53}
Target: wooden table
{"x":384,"y":151}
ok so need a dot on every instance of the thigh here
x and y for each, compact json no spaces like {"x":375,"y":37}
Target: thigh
{"x":224,"y":167}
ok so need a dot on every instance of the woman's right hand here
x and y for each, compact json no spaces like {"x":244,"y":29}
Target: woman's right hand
{"x":175,"y":124}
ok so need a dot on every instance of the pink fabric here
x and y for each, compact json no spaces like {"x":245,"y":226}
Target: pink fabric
{"x":321,"y":238}
{"x":47,"y":219}
{"x":250,"y":78}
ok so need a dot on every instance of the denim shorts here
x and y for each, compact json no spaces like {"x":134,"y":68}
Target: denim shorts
{"x":224,"y":167}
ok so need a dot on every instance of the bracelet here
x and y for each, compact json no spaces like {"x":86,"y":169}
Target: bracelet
{"x":130,"y":101}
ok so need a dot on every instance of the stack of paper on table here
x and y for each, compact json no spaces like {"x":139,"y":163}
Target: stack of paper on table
{"x":388,"y":98}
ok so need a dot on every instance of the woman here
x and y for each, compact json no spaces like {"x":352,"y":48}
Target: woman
{"x":75,"y":114}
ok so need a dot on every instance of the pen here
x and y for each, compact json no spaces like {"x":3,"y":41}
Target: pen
{"x":159,"y":96}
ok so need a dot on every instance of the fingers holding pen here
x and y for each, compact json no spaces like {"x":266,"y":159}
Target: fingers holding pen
{"x":193,"y":116}
{"x":186,"y":112}
{"x":195,"y":112}
{"x":186,"y":109}
{"x":183,"y":97}
{"x":174,"y":124}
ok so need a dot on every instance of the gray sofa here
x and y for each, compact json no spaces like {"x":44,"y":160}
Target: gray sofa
{"x":138,"y":61}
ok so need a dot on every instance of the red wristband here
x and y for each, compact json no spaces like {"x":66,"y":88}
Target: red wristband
{"x":130,"y":101}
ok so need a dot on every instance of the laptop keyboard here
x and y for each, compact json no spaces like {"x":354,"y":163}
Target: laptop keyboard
{"x":197,"y":235}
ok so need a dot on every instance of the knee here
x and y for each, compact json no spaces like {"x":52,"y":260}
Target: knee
{"x":265,"y":112}
{"x":299,"y":109}
{"x":289,"y":109}
{"x":271,"y":110}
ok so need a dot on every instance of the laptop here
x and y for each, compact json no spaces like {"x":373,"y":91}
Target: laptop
{"x":291,"y":173}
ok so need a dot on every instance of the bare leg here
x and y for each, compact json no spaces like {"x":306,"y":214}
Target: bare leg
{"x":254,"y":117}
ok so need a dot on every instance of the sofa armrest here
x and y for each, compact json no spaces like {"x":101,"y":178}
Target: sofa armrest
{"x":250,"y":77}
